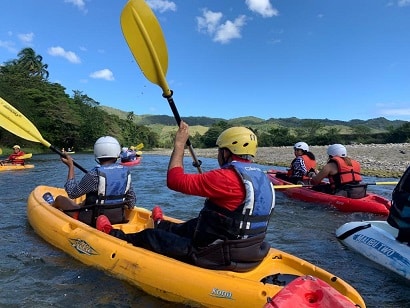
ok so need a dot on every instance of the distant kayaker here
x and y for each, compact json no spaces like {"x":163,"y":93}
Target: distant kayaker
{"x":343,"y":173}
{"x":14,"y":157}
{"x":230,"y":230}
{"x":399,"y":216}
{"x":303,"y":164}
{"x":116,"y":186}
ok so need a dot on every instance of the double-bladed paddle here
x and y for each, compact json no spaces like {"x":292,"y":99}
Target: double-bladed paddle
{"x":16,"y":123}
{"x":145,"y":39}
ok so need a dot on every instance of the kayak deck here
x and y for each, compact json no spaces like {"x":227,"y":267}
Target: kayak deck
{"x":371,"y":203}
{"x":155,"y":274}
{"x":11,"y":167}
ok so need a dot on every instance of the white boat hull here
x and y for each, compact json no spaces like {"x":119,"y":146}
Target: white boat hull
{"x":376,"y":240}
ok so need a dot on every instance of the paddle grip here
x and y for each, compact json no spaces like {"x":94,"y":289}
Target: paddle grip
{"x":54,"y":149}
{"x":196,"y":163}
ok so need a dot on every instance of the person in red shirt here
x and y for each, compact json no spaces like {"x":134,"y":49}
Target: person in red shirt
{"x":230,"y":230}
{"x":14,"y":157}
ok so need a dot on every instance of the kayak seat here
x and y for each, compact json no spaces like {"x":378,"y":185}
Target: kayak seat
{"x":89,"y":213}
{"x":353,"y":191}
{"x":233,"y":255}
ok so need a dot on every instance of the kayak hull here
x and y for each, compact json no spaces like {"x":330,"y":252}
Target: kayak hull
{"x":376,"y":240}
{"x":372,"y":203}
{"x":10,"y":167}
{"x":156,"y":274}
{"x":132,"y":162}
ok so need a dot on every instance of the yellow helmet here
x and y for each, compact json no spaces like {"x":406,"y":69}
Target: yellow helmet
{"x":239,"y":140}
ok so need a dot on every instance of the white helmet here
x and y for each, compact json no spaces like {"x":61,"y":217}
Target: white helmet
{"x":302,"y":146}
{"x":107,"y":147}
{"x":337,"y":150}
{"x":124,"y":149}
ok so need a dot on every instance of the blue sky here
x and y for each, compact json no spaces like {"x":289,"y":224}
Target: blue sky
{"x":339,"y":60}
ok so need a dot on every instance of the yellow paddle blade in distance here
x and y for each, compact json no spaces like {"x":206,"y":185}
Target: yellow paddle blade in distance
{"x":25,"y":156}
{"x":139,"y":146}
{"x":145,"y":39}
{"x":1,"y":151}
{"x":16,"y":123}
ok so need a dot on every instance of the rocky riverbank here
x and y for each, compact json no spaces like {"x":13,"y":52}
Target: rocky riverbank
{"x":381,"y":160}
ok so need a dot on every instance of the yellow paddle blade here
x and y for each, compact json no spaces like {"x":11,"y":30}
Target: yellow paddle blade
{"x":139,"y":146}
{"x":16,"y":123}
{"x":25,"y":156}
{"x":145,"y":39}
{"x":1,"y":151}
{"x":139,"y":153}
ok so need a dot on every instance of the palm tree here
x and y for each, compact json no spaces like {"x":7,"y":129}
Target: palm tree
{"x":32,"y":63}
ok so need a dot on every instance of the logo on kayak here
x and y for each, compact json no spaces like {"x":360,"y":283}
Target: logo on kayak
{"x":221,"y":293}
{"x":382,"y":248}
{"x":82,"y":247}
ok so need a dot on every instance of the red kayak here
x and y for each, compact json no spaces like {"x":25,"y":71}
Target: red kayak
{"x":132,"y":162}
{"x":308,"y":291}
{"x":371,"y":203}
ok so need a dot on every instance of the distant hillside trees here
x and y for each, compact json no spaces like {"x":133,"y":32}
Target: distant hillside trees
{"x":64,"y":121}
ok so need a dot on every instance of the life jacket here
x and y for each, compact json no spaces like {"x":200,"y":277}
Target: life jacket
{"x":249,"y":219}
{"x":234,"y":240}
{"x":399,"y":216}
{"x":309,"y":164}
{"x":346,"y":174}
{"x":15,"y":160}
{"x":114,"y":181}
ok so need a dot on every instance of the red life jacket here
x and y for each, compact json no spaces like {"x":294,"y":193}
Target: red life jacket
{"x":13,"y":158}
{"x":346,"y":174}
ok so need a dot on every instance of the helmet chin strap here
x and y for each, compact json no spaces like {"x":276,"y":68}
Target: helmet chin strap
{"x":226,"y":160}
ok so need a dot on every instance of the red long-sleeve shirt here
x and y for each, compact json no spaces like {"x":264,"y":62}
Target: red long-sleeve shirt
{"x":224,"y":187}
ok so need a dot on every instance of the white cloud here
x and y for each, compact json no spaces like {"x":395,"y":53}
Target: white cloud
{"x":8,"y":45}
{"x":103,"y":74}
{"x":26,"y":37}
{"x":162,"y":5}
{"x":402,"y":3}
{"x":210,"y":23}
{"x":60,"y":52}
{"x":230,"y":30}
{"x":262,"y":7}
{"x":80,"y":4}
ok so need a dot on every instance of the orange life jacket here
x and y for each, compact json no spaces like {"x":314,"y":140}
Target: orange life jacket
{"x":346,"y":174}
{"x":309,"y":164}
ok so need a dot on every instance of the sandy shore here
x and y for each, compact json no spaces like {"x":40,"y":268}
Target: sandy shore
{"x":382,"y":160}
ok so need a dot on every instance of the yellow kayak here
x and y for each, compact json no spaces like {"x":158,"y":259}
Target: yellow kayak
{"x":165,"y":277}
{"x":11,"y":167}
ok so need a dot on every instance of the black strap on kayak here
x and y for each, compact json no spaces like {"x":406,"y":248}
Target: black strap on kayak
{"x":353,"y":231}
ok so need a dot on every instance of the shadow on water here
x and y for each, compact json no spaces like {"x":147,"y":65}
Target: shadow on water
{"x":35,"y":274}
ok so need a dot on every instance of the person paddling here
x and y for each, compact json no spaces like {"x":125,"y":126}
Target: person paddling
{"x":229,"y":232}
{"x":14,"y":157}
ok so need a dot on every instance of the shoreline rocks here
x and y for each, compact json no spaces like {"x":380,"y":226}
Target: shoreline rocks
{"x":380,"y":160}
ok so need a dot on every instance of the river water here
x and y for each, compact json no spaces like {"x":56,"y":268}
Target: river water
{"x":35,"y":274}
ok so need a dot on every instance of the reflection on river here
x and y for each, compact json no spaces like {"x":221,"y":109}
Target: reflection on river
{"x":35,"y":274}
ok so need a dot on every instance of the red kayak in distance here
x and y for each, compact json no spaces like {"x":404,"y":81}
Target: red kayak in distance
{"x":309,"y":292}
{"x":132,"y":162}
{"x":371,"y":203}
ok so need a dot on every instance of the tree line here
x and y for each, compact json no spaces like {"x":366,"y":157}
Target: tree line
{"x":78,"y":120}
